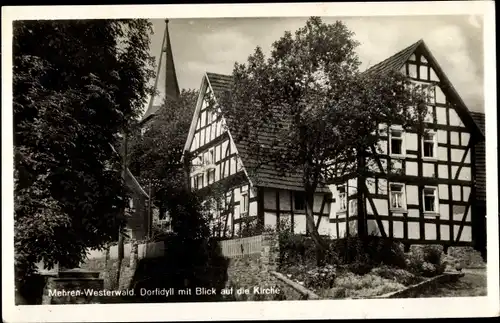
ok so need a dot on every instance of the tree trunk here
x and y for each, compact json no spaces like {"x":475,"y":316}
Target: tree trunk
{"x":187,"y":170}
{"x":120,"y":235}
{"x":321,"y":246}
{"x":120,"y":260}
{"x":150,"y":212}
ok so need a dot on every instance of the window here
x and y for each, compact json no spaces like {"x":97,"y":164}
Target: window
{"x":396,"y":142}
{"x":211,"y":156}
{"x":130,"y":208}
{"x":397,"y":196}
{"x":209,"y":117}
{"x":430,"y":200}
{"x":162,"y":214}
{"x":199,"y":181}
{"x":353,"y":207}
{"x":429,"y":145}
{"x":244,"y":201}
{"x":211,"y":176}
{"x":299,"y":201}
{"x":342,"y":198}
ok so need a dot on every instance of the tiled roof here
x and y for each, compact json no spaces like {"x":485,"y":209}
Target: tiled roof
{"x":219,"y":82}
{"x":480,"y":158}
{"x":270,"y":177}
{"x":265,"y":174}
{"x":130,"y":180}
{"x":152,"y":110}
{"x":395,"y":62}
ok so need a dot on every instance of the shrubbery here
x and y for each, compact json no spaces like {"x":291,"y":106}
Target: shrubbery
{"x":376,"y":265}
{"x":351,"y":285}
{"x":426,"y":260}
{"x":360,"y":256}
{"x":399,"y":275}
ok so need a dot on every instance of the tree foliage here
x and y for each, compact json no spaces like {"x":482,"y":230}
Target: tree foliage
{"x":76,"y":85}
{"x":308,"y":107}
{"x":155,"y":155}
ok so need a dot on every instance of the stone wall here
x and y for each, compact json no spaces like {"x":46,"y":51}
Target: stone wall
{"x":249,"y":274}
{"x":73,"y":287}
{"x":107,"y":266}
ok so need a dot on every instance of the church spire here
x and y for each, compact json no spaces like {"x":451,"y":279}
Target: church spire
{"x":171,"y":84}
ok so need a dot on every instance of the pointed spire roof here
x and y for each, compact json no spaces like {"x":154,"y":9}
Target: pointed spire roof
{"x":171,"y":84}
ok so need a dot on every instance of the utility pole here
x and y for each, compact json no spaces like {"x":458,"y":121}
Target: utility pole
{"x":120,"y":235}
{"x":150,"y":211}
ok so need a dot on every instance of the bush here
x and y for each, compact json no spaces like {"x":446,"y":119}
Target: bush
{"x":295,"y":248}
{"x":355,"y":286}
{"x":427,"y":261}
{"x":399,"y":275}
{"x":323,"y":277}
{"x":466,"y":257}
{"x":362,"y":255}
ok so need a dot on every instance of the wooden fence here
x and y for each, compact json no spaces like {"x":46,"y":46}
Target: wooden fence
{"x":241,"y":246}
{"x":145,"y":250}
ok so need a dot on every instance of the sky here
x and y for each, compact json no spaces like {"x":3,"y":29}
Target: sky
{"x":215,"y":44}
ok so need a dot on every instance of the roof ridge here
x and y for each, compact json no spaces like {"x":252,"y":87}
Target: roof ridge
{"x":405,"y":52}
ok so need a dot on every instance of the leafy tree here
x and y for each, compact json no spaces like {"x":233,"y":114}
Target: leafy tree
{"x":307,"y":108}
{"x":76,"y":85}
{"x":155,"y":155}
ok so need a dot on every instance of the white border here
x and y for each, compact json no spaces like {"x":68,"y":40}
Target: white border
{"x":400,"y":308}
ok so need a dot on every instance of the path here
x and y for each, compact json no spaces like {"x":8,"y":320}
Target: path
{"x":473,"y":283}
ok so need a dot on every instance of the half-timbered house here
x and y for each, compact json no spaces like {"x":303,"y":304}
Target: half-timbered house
{"x":479,"y":221}
{"x":260,"y":198}
{"x":420,"y":188}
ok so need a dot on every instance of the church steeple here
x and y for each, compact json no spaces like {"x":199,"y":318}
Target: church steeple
{"x":171,"y":84}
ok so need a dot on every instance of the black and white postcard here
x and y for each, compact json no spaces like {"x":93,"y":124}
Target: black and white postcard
{"x":249,"y":161}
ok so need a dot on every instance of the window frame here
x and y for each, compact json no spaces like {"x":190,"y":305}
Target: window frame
{"x":296,"y":196}
{"x":434,"y":145}
{"x":353,"y":206}
{"x":245,"y":202}
{"x":211,"y":156}
{"x":344,"y":199}
{"x":436,"y":201}
{"x":404,"y":205}
{"x":210,"y":171}
{"x":197,"y":177}
{"x":402,"y":139}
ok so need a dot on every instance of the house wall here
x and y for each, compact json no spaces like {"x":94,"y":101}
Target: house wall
{"x":449,"y":171}
{"x":344,"y":221}
{"x":215,"y":161}
{"x":137,"y":218}
{"x":229,"y":218}
{"x":280,"y":205}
